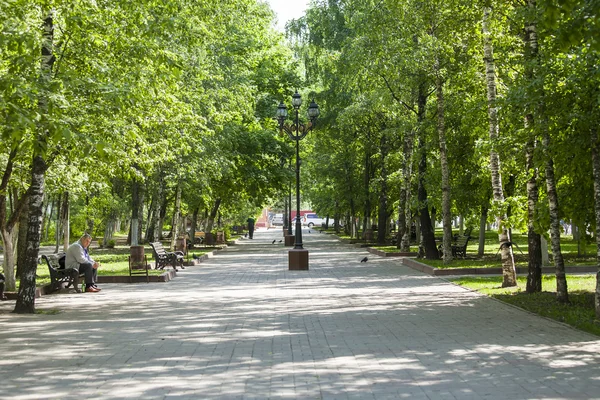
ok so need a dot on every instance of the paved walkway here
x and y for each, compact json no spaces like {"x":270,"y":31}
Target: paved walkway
{"x":241,"y":326}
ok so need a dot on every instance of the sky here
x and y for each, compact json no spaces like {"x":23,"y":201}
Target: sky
{"x":287,"y":9}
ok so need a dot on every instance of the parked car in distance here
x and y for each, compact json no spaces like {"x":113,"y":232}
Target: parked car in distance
{"x":312,"y":219}
{"x":277,"y":220}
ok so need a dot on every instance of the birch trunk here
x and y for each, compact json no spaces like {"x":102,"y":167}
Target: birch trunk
{"x":26,"y":296}
{"x":509,"y":274}
{"x":562,"y":293}
{"x":48,"y":222}
{"x":8,"y":264}
{"x":8,"y":224}
{"x":534,"y":239}
{"x":595,"y":147}
{"x":441,"y":127}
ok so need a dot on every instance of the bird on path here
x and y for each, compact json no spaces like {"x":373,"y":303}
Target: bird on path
{"x":273,"y":242}
{"x":309,"y":231}
{"x":364,"y":259}
{"x":281,"y":241}
{"x":245,"y":235}
{"x":195,"y":257}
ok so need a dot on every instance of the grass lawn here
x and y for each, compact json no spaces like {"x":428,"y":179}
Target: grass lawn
{"x":579,"y":313}
{"x":394,"y":249}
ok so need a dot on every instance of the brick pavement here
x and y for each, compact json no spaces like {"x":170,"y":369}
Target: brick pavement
{"x":241,"y":326}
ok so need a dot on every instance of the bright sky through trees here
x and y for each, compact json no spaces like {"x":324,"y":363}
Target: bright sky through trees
{"x":287,"y":9}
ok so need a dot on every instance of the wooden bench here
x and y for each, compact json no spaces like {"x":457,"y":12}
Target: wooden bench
{"x":459,"y":245}
{"x":165,"y":258}
{"x":61,"y":277}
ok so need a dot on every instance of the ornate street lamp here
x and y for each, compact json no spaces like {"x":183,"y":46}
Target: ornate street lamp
{"x":298,"y":256}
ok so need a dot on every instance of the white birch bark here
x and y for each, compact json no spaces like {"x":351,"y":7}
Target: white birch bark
{"x":509,"y":275}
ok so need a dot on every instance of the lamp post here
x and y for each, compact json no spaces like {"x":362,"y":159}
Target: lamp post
{"x":298,"y":256}
{"x":289,"y":216}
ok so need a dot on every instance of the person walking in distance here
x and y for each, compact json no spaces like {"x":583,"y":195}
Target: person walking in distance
{"x":78,"y":258}
{"x":250,"y":227}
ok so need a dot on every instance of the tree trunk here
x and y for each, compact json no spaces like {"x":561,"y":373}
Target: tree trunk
{"x":595,"y":147}
{"x":22,"y":237}
{"x":8,"y":263}
{"x":48,"y":220}
{"x":176,"y":216}
{"x":59,"y":219}
{"x":383,"y":194}
{"x":441,"y":127}
{"x":150,"y":220}
{"x":427,"y":231}
{"x":65,"y":221}
{"x":7,"y":224}
{"x":366,"y":188}
{"x":195,"y":223}
{"x":534,"y":239}
{"x":509,"y":274}
{"x":26,"y":296}
{"x":482,"y":224}
{"x":163,"y":212}
{"x":213,"y":214}
{"x":427,"y":236}
{"x":404,"y":210}
{"x":135,"y":209}
{"x":142,"y":195}
{"x":158,"y":210}
{"x":562,"y":293}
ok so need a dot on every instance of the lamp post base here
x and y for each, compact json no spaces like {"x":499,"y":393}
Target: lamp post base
{"x":298,"y":260}
{"x":290,"y":240}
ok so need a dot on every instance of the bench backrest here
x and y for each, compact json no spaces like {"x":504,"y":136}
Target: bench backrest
{"x":461,"y":241}
{"x":53,"y":260}
{"x":158,"y":248}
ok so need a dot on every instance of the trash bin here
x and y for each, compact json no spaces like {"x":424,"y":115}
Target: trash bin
{"x":181,"y":245}
{"x":137,"y":257}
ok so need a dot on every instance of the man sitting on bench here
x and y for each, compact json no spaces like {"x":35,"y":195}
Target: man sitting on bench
{"x":79,"y":259}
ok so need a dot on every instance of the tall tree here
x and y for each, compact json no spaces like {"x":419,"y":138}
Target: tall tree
{"x":509,"y":276}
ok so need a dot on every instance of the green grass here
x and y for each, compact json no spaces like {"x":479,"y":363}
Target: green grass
{"x":394,"y":249}
{"x":579,"y":313}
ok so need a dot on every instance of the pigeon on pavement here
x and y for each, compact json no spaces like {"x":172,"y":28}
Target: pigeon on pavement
{"x":364,"y":259}
{"x":273,"y":242}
